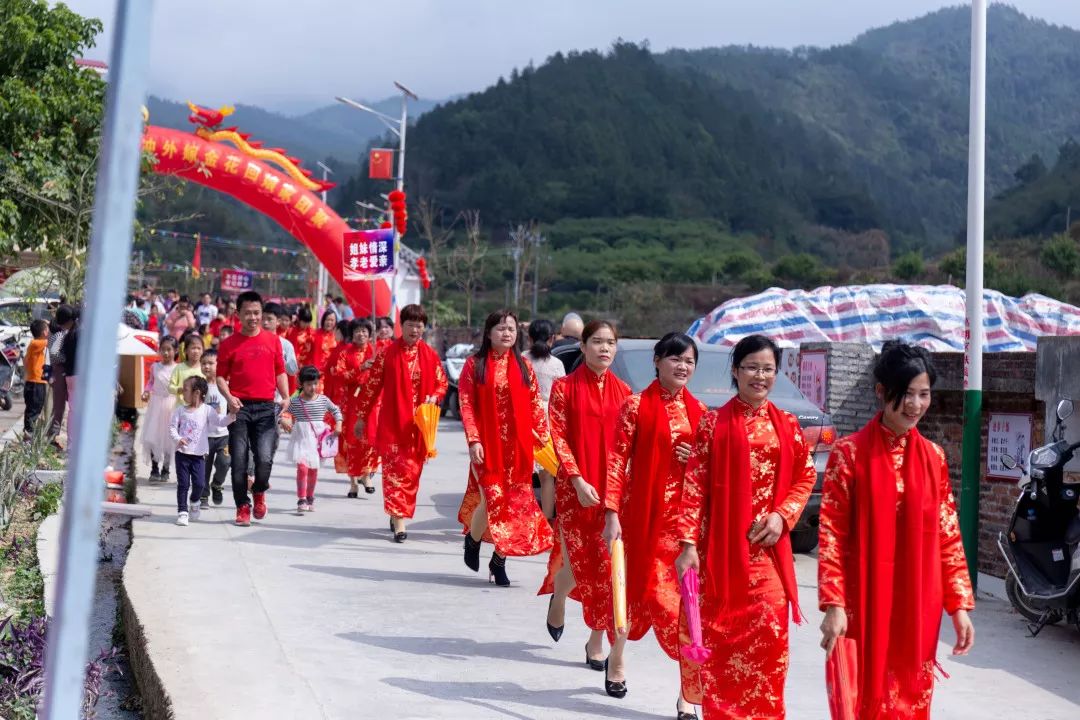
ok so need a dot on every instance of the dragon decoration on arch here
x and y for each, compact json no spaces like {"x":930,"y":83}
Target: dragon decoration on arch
{"x":268,"y":180}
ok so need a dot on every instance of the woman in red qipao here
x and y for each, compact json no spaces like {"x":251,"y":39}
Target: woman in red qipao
{"x":583,"y":409}
{"x":384,"y":334}
{"x":653,"y":437}
{"x":749,"y":476}
{"x":887,"y":503}
{"x":347,"y":370}
{"x":405,"y":376}
{"x":302,"y":337}
{"x":504,"y":421}
{"x":324,"y":340}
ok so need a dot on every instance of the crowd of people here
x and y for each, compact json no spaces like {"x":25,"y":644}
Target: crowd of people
{"x":684,"y":487}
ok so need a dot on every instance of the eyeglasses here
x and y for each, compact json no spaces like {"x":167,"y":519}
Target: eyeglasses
{"x":758,"y":370}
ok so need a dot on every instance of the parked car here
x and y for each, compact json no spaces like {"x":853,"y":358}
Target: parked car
{"x":16,"y":314}
{"x":711,"y":384}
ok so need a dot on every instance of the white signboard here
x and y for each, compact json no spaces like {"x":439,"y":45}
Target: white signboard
{"x":814,"y":377}
{"x":1008,"y":433}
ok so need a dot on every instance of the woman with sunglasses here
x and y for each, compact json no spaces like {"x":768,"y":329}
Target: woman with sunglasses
{"x":748,"y":478}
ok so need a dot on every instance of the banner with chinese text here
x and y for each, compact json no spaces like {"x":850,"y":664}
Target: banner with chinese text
{"x":237,"y":280}
{"x":367,"y":253}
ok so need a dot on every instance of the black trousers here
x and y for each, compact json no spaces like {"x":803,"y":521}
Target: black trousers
{"x":34,"y":397}
{"x":190,"y":478}
{"x":217,"y":464}
{"x":254,"y":429}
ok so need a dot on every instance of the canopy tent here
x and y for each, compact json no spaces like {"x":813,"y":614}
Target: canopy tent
{"x":930,"y":316}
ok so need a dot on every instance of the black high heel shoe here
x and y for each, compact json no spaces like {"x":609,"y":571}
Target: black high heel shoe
{"x":497,"y":570}
{"x":614,"y":688}
{"x":680,"y":715}
{"x":554,"y":632}
{"x":597,"y":665}
{"x":472,"y":553}
{"x":399,"y":537}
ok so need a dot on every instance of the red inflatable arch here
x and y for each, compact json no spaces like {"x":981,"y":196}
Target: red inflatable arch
{"x":269,"y":182}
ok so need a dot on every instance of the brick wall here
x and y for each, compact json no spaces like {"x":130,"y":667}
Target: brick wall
{"x":1009,"y":386}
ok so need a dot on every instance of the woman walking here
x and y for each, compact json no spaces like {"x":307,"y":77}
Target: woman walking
{"x":349,"y":374}
{"x":504,"y":422}
{"x":157,"y":443}
{"x":644,"y":494}
{"x":324,"y":340}
{"x":404,"y":376}
{"x":548,"y":369}
{"x":584,"y":409}
{"x":887,"y":503}
{"x":747,"y":480}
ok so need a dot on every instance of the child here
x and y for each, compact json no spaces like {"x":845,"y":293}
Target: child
{"x":206,"y":335}
{"x":308,"y":410}
{"x":189,"y":428}
{"x":217,"y":459}
{"x":156,"y":441}
{"x":34,"y":371}
{"x":192,"y":366}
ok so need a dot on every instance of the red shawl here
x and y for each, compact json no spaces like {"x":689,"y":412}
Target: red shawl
{"x":396,"y":424}
{"x":489,"y":422}
{"x":894,"y":564}
{"x":731,"y":508}
{"x":588,"y":412}
{"x":652,"y":463}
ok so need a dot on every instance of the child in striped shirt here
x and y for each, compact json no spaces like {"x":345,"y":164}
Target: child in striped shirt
{"x":308,"y":410}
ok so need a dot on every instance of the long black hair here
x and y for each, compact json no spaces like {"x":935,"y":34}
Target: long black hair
{"x":899,"y":364}
{"x":748,"y":346}
{"x":480,"y":372}
{"x":540,"y":332}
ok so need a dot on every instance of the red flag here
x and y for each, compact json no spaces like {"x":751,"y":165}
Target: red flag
{"x":381,"y":164}
{"x":196,"y":261}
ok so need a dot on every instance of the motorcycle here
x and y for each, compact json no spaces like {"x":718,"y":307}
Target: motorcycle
{"x":452,"y":366}
{"x":1042,"y":543}
{"x":11,"y":371}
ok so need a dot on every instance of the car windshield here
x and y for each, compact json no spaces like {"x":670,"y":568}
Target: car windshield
{"x":712,"y":376}
{"x":14,"y":315}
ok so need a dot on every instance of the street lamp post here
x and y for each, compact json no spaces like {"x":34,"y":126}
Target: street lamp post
{"x":323,"y":275}
{"x":398,"y":127}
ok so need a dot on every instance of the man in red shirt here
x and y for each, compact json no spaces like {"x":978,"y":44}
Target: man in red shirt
{"x":250,"y":367}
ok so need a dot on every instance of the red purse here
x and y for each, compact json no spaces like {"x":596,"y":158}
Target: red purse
{"x":842,"y":680}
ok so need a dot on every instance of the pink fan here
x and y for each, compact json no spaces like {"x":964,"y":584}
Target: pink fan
{"x":689,"y":588}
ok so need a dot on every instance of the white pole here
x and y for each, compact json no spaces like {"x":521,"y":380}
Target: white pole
{"x":109,"y":256}
{"x":972,"y":438}
{"x":323,"y":279}
{"x":400,"y":186}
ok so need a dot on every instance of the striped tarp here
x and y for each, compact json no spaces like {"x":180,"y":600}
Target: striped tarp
{"x":930,"y":316}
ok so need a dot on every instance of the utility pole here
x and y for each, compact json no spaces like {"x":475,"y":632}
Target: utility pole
{"x":538,"y":240}
{"x":324,"y":278}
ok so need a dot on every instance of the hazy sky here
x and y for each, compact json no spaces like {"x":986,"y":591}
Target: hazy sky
{"x":287,"y":55}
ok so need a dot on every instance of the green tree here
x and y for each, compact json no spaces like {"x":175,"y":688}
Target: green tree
{"x":1061,"y":255}
{"x":800,"y":269}
{"x":908,"y":266}
{"x":50,"y":122}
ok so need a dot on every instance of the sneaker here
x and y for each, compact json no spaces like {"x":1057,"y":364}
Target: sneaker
{"x":204,"y":504}
{"x":302,"y":506}
{"x":155,"y":476}
{"x":311,"y":504}
{"x":260,"y":505}
{"x":243,"y":516}
{"x":193,"y":510}
{"x":216,"y":493}
{"x":165,"y":474}
{"x":182,"y":519}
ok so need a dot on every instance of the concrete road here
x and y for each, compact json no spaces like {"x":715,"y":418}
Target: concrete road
{"x":323,"y":616}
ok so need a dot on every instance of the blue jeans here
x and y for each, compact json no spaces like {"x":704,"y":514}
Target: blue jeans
{"x":254,"y":430}
{"x":190,"y":479}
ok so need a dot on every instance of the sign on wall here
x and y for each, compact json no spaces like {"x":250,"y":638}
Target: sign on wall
{"x":814,"y":377}
{"x":1008,"y":433}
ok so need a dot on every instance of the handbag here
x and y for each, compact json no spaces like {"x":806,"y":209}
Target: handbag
{"x":327,"y":440}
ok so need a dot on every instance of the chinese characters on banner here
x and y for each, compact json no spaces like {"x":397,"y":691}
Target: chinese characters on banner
{"x":367,"y":253}
{"x":814,"y":377}
{"x":237,"y":280}
{"x":1007,"y":433}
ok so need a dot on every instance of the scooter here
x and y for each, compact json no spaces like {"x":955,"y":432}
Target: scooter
{"x":1042,"y":544}
{"x":11,"y":369}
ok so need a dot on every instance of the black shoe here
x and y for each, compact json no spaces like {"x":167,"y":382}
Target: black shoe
{"x":554,"y":632}
{"x":352,"y":494}
{"x":472,"y":553}
{"x":165,"y":474}
{"x":399,"y":537}
{"x":680,"y":715}
{"x":216,"y":493}
{"x":369,"y":489}
{"x":155,"y":476}
{"x":616,"y":689}
{"x":203,"y":504}
{"x":497,"y":570}
{"x":597,"y":665}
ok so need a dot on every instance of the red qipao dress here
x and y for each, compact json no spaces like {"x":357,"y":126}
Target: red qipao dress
{"x":506,"y":416}
{"x":583,"y":409}
{"x":323,"y":344}
{"x":345,"y":377}
{"x":887,"y":503}
{"x":745,"y":464}
{"x":645,"y":483}
{"x":400,"y":380}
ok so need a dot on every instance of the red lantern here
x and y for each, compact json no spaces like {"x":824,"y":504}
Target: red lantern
{"x":395,"y":196}
{"x":385,"y":225}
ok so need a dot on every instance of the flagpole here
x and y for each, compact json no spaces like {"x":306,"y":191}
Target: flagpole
{"x":971,"y":453}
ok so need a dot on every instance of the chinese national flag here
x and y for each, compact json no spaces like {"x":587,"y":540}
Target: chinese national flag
{"x":381,"y":164}
{"x":196,"y":261}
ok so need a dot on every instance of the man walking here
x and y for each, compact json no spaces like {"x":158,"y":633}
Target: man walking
{"x":251,"y":366}
{"x":207,"y":311}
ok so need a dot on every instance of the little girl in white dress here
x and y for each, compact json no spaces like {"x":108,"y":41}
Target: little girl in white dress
{"x":308,"y":409}
{"x":155,"y":431}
